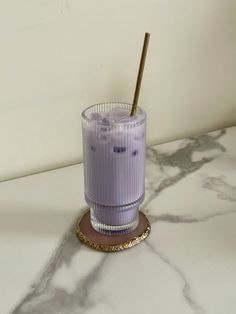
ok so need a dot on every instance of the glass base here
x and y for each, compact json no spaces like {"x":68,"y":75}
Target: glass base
{"x":111,"y":243}
{"x":114,"y":222}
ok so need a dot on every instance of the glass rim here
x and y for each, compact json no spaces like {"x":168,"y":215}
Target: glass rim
{"x":140,"y":112}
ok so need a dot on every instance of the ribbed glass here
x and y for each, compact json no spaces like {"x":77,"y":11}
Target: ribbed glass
{"x":114,"y":161}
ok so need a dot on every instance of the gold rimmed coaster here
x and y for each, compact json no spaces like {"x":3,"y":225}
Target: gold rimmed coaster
{"x":111,"y":243}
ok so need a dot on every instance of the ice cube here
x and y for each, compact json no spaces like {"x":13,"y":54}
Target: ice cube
{"x":105,"y":120}
{"x":119,"y":115}
{"x":95,"y":116}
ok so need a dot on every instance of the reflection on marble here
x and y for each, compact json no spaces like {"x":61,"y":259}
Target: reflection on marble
{"x":182,"y":267}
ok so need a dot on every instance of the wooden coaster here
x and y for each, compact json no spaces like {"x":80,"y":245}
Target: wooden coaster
{"x":111,"y":243}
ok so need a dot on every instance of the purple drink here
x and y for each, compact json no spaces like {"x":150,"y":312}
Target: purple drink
{"x":114,"y":158}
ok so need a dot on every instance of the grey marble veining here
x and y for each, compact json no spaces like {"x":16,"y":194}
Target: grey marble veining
{"x":224,"y":190}
{"x":42,"y":298}
{"x":182,"y":159}
{"x":176,"y":166}
{"x":186,"y":290}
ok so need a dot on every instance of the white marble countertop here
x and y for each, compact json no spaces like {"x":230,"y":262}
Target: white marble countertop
{"x":187,"y":265}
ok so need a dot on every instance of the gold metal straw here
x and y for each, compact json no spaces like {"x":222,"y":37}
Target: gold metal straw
{"x":140,"y":74}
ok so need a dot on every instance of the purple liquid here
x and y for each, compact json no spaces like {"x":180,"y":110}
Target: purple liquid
{"x":114,"y":156}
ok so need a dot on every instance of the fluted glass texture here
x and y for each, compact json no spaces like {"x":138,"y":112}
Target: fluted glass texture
{"x":114,"y":161}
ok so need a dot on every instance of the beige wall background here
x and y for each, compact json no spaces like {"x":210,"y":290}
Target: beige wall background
{"x":59,"y":56}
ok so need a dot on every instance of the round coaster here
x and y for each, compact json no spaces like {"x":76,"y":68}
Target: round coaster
{"x":111,"y":243}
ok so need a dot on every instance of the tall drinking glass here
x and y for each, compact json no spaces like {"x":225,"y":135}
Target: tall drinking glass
{"x":114,"y":161}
